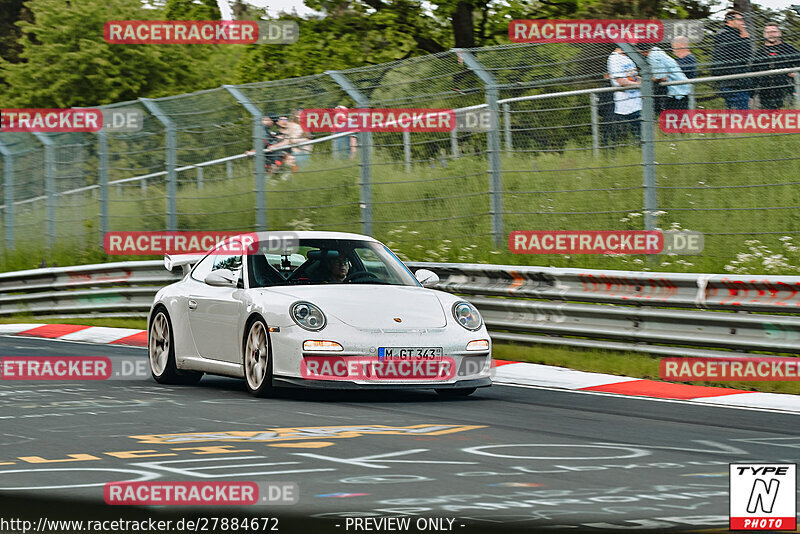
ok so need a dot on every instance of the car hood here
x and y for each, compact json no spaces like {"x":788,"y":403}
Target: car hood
{"x":374,"y":306}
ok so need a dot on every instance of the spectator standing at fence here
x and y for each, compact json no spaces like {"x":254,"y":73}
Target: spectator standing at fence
{"x":684,"y":57}
{"x":731,"y":55}
{"x":292,"y":134}
{"x":271,"y":137}
{"x":342,"y":146}
{"x":665,"y":69}
{"x":627,"y":104}
{"x":775,"y":54}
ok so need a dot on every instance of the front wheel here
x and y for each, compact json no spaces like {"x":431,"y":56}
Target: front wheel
{"x":257,"y":360}
{"x":458,"y":392}
{"x":161,"y":352}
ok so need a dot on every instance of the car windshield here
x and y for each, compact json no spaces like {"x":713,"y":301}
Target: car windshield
{"x":329,"y":261}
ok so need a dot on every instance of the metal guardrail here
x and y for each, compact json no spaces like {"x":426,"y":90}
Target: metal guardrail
{"x":657,"y":313}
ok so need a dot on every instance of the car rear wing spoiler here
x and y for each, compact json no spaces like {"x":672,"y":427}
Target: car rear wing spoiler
{"x":183,"y":260}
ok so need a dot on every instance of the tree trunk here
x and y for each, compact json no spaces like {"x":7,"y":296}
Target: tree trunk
{"x":463,"y":28}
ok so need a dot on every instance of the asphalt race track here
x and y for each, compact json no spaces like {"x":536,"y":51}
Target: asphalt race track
{"x":506,"y":458}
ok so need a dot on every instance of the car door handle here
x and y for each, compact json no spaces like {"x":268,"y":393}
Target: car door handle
{"x":192,"y":304}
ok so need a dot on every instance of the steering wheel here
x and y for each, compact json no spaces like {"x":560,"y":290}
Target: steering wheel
{"x":360,"y":275}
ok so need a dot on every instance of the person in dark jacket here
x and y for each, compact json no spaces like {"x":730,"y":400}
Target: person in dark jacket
{"x":775,"y":54}
{"x":731,"y":55}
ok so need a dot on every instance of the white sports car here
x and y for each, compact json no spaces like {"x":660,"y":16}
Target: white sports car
{"x":320,"y":309}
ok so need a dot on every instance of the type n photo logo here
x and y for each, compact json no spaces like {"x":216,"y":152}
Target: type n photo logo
{"x":763,"y":496}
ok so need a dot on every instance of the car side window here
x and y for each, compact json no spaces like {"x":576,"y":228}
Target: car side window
{"x":227,"y":262}
{"x":202,"y":269}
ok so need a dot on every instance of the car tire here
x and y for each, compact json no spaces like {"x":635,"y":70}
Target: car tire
{"x":457,"y":392}
{"x":161,"y":352}
{"x":257,"y":359}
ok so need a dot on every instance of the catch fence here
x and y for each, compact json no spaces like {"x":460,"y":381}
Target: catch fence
{"x":554,"y":158}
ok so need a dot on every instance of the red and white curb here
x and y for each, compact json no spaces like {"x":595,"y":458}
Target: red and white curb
{"x":532,"y":374}
{"x":505,"y":372}
{"x":74,"y":332}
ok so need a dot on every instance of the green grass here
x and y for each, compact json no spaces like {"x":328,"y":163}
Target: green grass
{"x":442,"y":214}
{"x":633,"y":364}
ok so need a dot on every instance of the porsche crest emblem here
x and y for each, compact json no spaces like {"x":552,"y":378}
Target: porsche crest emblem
{"x":398,"y":320}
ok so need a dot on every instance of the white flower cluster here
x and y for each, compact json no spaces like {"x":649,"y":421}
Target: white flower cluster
{"x":759,"y":259}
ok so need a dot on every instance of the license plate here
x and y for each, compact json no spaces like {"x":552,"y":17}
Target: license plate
{"x":410,"y":353}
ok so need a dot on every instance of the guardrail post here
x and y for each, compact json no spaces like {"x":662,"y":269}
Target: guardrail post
{"x":593,"y":104}
{"x":102,"y":178}
{"x":492,"y":143}
{"x":199,"y":178}
{"x":407,"y":149}
{"x":648,"y":136}
{"x":692,"y":96}
{"x":8,"y":185}
{"x":365,"y":151}
{"x":171,"y":161}
{"x":258,"y":161}
{"x":454,"y":143}
{"x":229,"y":169}
{"x":507,"y":126}
{"x":49,"y":186}
{"x":796,"y":81}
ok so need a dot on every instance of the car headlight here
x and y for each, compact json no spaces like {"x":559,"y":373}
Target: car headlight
{"x":467,"y":315}
{"x":308,"y":316}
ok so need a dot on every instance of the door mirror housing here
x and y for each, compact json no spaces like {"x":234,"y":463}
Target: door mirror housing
{"x":222,"y":278}
{"x":427,"y":278}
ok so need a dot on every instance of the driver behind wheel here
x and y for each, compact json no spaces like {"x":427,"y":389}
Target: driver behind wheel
{"x":336,"y":268}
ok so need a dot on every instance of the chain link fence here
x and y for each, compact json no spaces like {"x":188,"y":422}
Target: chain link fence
{"x":555,"y":157}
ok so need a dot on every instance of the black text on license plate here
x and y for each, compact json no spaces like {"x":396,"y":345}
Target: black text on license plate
{"x":410,"y":353}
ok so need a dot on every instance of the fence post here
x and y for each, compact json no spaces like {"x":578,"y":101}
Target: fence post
{"x":454,"y":143}
{"x":507,"y":124}
{"x":8,"y":183}
{"x":692,"y":96}
{"x":648,"y":136}
{"x":49,"y":186}
{"x":593,"y":104}
{"x":407,"y":149}
{"x":365,"y":150}
{"x":492,"y":142}
{"x":199,"y":178}
{"x":229,"y":169}
{"x":102,"y":178}
{"x":796,"y":81}
{"x":258,"y":146}
{"x":171,"y":161}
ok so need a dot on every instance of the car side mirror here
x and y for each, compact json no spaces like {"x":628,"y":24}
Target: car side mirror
{"x":427,"y":278}
{"x":222,"y":278}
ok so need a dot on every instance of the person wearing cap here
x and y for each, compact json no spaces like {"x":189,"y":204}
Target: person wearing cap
{"x":731,"y":55}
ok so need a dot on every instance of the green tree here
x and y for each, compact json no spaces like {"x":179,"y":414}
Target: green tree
{"x":191,"y":10}
{"x":65,"y":60}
